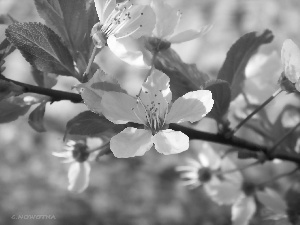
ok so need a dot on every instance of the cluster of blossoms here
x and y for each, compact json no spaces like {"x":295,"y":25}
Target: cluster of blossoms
{"x":223,"y":182}
{"x":123,"y":27}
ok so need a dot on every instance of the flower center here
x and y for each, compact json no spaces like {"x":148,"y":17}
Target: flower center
{"x":204,"y":174}
{"x":155,"y":110}
{"x":80,"y":153}
{"x":118,"y":19}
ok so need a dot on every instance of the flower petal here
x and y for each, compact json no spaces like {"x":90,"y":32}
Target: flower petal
{"x":131,"y":142}
{"x":104,"y":8}
{"x":290,"y":57}
{"x":222,"y":191}
{"x":208,"y":157}
{"x":128,"y":50}
{"x":243,"y":210}
{"x":188,"y":35}
{"x":272,"y":200}
{"x":166,"y":19}
{"x":156,"y":82}
{"x":141,"y":23}
{"x":192,"y":107}
{"x":79,"y":176}
{"x":170,"y":142}
{"x":108,"y":9}
{"x":118,"y":108}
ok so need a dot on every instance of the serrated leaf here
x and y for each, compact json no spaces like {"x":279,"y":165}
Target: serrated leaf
{"x":89,"y":124}
{"x":51,"y":12}
{"x":233,"y":69}
{"x":36,"y":118}
{"x":184,"y":77}
{"x":42,"y":48}
{"x":221,"y":95}
{"x":92,"y":91}
{"x":72,"y":20}
{"x":47,"y":80}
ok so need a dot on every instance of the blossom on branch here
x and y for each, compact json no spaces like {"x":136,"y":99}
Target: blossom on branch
{"x":153,"y":109}
{"x":219,"y":177}
{"x":77,"y":154}
{"x":290,"y":58}
{"x":120,"y":24}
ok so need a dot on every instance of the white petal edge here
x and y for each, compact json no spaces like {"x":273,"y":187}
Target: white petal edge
{"x":189,"y":35}
{"x":79,"y":176}
{"x":131,"y":142}
{"x":192,"y":106}
{"x":170,"y":142}
{"x":129,"y":51}
{"x":290,"y":57}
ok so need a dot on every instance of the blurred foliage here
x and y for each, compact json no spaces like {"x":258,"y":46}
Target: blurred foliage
{"x":142,"y":190}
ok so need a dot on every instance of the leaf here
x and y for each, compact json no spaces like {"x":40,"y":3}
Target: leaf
{"x":221,"y":95}
{"x":272,"y":200}
{"x":10,"y":111}
{"x":51,"y":12}
{"x":72,"y":20}
{"x":7,"y":19}
{"x":75,"y":19}
{"x":36,"y":118}
{"x":292,"y":198}
{"x":88,"y":123}
{"x":44,"y":79}
{"x":184,"y":77}
{"x":92,"y":91}
{"x":5,"y":49}
{"x":233,"y":69}
{"x":12,"y":108}
{"x":41,"y":47}
{"x":8,"y":89}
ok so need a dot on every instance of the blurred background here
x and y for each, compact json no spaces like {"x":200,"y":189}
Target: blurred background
{"x":143,"y":190}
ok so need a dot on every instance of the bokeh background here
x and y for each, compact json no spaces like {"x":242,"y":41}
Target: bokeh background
{"x":143,"y":190}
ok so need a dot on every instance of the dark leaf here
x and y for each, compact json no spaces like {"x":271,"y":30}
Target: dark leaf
{"x":7,"y":19}
{"x":89,"y":124}
{"x":221,"y":95}
{"x":5,"y":49}
{"x":51,"y":12}
{"x":10,"y":111}
{"x":47,"y":80}
{"x":233,"y":69}
{"x":36,"y":118}
{"x":41,"y":47}
{"x":75,"y":19}
{"x":8,"y":89}
{"x":292,"y":198}
{"x":184,"y":77}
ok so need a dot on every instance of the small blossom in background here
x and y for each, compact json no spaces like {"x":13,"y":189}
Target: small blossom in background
{"x":290,"y":58}
{"x":153,"y":109}
{"x":77,"y":154}
{"x":246,"y":205}
{"x":120,"y":24}
{"x":210,"y":171}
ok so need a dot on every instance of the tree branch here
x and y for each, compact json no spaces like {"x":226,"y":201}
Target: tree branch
{"x":55,"y":95}
{"x":191,"y":133}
